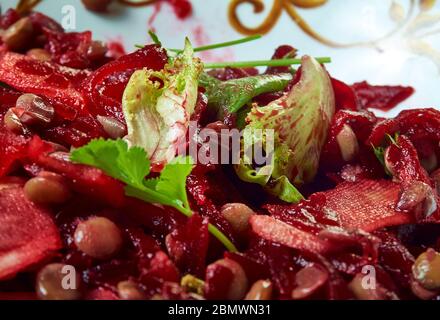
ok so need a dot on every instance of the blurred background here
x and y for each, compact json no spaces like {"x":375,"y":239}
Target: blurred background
{"x":381,"y":41}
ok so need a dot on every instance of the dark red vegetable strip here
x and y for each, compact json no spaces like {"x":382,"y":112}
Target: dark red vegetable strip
{"x":105,"y":86}
{"x":367,"y":205}
{"x":48,"y":80}
{"x":28,"y":234}
{"x":83,"y":179}
{"x":381,"y":97}
{"x":345,"y":96}
{"x":279,"y":232}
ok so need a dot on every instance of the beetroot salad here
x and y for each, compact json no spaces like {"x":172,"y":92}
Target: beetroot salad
{"x":154,"y":175}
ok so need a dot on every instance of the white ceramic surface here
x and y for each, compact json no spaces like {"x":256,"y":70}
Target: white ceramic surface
{"x":410,"y":57}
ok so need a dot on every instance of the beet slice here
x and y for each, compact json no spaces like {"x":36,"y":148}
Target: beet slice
{"x":277,"y":231}
{"x":12,"y":148}
{"x":381,"y":97}
{"x":367,"y":205}
{"x":85,"y":180}
{"x":28,"y":234}
{"x":188,"y":245}
{"x":104,"y":88}
{"x":345,"y":96}
{"x":55,"y":83}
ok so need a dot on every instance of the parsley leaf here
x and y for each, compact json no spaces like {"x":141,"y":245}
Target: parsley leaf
{"x":132,"y":166}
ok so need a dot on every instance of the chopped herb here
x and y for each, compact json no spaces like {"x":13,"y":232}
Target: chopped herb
{"x":222,"y":44}
{"x":261,"y":63}
{"x":379,"y":152}
{"x":132,"y":166}
{"x":154,"y":37}
{"x":156,"y":40}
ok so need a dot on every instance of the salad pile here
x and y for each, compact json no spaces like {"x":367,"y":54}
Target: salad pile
{"x":98,"y":201}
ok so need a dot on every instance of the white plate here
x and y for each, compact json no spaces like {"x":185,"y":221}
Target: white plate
{"x":407,"y":57}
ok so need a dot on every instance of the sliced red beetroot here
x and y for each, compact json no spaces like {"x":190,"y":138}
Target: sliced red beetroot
{"x":84,"y":180}
{"x":76,"y":133}
{"x":158,"y":220}
{"x":309,"y":280}
{"x":204,"y":189}
{"x":381,"y":97}
{"x":188,"y":246}
{"x":395,"y":259}
{"x":309,"y":215}
{"x":162,"y":268}
{"x":28,"y":234}
{"x":283,"y":265}
{"x":105,"y":86}
{"x":109,"y":274}
{"x":101,"y":294}
{"x":49,"y":80}
{"x":403,"y":162}
{"x":417,"y":195}
{"x":8,"y":97}
{"x":365,"y":242}
{"x":254,"y":270}
{"x":69,"y":49}
{"x":9,"y":18}
{"x":367,"y":205}
{"x":416,"y":124}
{"x":279,"y":232}
{"x":360,"y":123}
{"x":144,"y":244}
{"x":12,"y":148}
{"x":41,"y":21}
{"x":217,"y":282}
{"x":173,"y":291}
{"x":345,"y":96}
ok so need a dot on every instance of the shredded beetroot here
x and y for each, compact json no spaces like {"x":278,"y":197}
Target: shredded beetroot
{"x":373,"y":203}
{"x":12,"y":149}
{"x":188,"y":246}
{"x":373,"y":208}
{"x":345,"y":96}
{"x":280,"y":232}
{"x":49,"y":80}
{"x":27,"y":233}
{"x":9,"y":18}
{"x":104,"y":87}
{"x":381,"y":97}
{"x":182,"y":8}
{"x":84,"y":179}
{"x":8,"y":97}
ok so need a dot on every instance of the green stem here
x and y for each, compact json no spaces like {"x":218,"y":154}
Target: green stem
{"x":222,"y":238}
{"x":154,"y":37}
{"x":214,"y":231}
{"x":222,"y":44}
{"x":261,"y":63}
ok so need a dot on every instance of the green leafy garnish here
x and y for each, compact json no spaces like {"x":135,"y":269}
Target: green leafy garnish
{"x":230,"y":96}
{"x":299,"y":120}
{"x":132,"y":166}
{"x":157,"y":105}
{"x":261,"y":63}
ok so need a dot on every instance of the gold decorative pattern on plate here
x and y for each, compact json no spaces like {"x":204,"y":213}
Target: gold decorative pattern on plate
{"x":403,"y":19}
